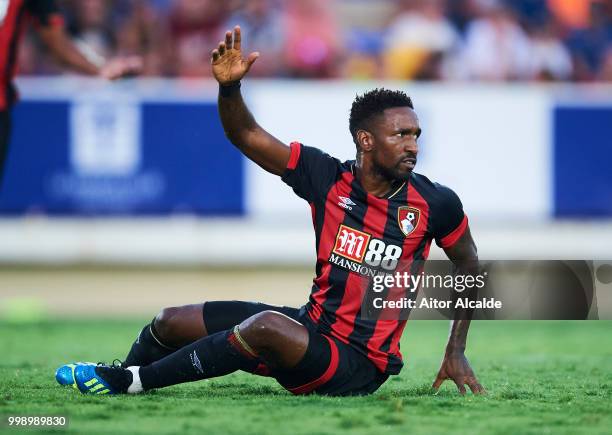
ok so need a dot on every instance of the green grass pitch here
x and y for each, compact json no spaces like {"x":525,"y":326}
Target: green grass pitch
{"x":542,"y":377}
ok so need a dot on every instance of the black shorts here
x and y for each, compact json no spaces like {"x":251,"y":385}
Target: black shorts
{"x":329,"y":367}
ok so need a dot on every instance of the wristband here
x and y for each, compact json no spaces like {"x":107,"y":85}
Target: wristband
{"x":230,"y":89}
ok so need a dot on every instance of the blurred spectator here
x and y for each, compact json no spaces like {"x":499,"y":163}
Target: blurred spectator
{"x":402,"y":39}
{"x":195,"y":29}
{"x":460,"y":13}
{"x":33,"y":58}
{"x":91,"y":28}
{"x":313,"y":45}
{"x":551,"y":59}
{"x":531,"y":13}
{"x":418,"y":38}
{"x":163,"y":6}
{"x":143,"y":32}
{"x":496,"y":48}
{"x":572,"y":14}
{"x":589,"y":45}
{"x":363,"y":26}
{"x":605,"y":75}
{"x":363,"y":53}
{"x":262,"y":27}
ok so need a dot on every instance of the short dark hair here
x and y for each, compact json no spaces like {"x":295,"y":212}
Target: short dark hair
{"x":373,"y":103}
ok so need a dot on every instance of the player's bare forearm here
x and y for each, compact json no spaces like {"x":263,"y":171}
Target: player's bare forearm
{"x":455,"y":365}
{"x":229,"y":67}
{"x":235,"y":116}
{"x":70,"y":56}
{"x":457,"y":337}
{"x":244,"y":132}
{"x":464,"y":255}
{"x":64,"y":50}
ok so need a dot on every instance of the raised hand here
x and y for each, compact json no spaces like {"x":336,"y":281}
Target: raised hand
{"x":228,"y":65}
{"x":457,"y":368}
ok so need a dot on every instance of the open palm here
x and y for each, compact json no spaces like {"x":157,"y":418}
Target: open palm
{"x":228,"y":65}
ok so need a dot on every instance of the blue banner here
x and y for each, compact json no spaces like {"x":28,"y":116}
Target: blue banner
{"x":123,"y":157}
{"x":583,"y":161}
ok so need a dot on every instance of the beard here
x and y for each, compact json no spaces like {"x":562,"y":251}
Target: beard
{"x":394,"y":173}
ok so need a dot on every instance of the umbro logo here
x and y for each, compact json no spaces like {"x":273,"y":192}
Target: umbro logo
{"x":346,"y":202}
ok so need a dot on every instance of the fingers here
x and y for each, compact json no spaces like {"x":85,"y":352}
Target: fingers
{"x":131,"y":65}
{"x":251,"y":60}
{"x":233,"y":40}
{"x":237,"y":38}
{"x":460,"y":382}
{"x":475,"y":386}
{"x":220,"y":51}
{"x":229,"y":40}
{"x":460,"y":387}
{"x":121,"y":67}
{"x":438,"y":382}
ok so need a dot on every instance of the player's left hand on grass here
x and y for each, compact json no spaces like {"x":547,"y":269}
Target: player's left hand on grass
{"x":456,"y":367}
{"x":121,"y":67}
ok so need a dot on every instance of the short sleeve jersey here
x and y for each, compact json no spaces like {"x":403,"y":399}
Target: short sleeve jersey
{"x":358,"y":235}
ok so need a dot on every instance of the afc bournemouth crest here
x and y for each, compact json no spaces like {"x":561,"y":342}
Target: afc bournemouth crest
{"x":408,"y":219}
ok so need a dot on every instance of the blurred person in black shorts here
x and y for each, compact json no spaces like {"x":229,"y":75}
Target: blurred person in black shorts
{"x":372,"y":215}
{"x":15,"y":15}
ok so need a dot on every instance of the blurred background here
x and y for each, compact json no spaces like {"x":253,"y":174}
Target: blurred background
{"x":448,"y":40}
{"x":131,"y":189}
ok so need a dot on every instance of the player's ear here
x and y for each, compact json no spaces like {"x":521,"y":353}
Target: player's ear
{"x":365,"y":139}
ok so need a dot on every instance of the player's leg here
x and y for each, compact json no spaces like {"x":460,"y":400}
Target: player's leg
{"x":278,"y":340}
{"x":270,"y":336}
{"x":167,"y":332}
{"x":175,"y":327}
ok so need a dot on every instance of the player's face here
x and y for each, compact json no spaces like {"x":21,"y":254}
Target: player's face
{"x":394,"y":151}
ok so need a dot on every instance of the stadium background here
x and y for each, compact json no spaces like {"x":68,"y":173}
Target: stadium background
{"x":120,"y":199}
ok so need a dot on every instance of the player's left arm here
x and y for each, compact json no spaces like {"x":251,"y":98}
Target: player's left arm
{"x":49,"y":24}
{"x":455,"y":365}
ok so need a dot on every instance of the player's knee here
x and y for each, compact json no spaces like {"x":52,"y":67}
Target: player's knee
{"x":265,"y":325}
{"x":167,"y":322}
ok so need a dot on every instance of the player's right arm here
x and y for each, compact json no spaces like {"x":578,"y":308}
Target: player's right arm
{"x":229,"y":67}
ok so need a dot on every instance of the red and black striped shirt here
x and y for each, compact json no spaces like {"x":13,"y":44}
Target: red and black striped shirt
{"x":358,"y":235}
{"x":14,"y":15}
